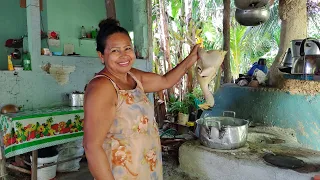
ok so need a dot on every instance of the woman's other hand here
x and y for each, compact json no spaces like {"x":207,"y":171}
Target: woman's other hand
{"x":193,"y":56}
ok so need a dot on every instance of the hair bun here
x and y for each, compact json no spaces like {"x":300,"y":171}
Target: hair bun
{"x":110,"y":22}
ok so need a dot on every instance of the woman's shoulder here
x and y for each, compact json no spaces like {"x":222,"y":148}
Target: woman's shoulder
{"x":100,"y":83}
{"x":137,"y":73}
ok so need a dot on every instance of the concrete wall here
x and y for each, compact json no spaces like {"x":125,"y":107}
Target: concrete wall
{"x":67,"y":17}
{"x":125,"y":14}
{"x":13,"y":25}
{"x":37,"y":88}
{"x":298,"y":112}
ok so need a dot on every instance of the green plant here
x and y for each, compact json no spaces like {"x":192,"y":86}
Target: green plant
{"x":175,"y":106}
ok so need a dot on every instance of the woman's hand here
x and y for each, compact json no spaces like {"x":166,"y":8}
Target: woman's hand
{"x":193,"y":56}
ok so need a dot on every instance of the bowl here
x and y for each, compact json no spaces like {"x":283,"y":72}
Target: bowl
{"x":57,"y":53}
{"x":250,"y":4}
{"x":252,"y":17}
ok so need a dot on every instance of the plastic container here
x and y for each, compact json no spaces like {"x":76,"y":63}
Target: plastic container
{"x":83,"y":33}
{"x":94,"y":33}
{"x":10,"y":65}
{"x":261,"y":64}
{"x":47,"y":172}
{"x":26,"y":60}
{"x":57,"y":53}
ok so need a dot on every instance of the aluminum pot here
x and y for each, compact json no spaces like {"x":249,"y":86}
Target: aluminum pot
{"x":223,"y":132}
{"x":250,"y":4}
{"x":252,"y":17}
{"x":76,"y":99}
{"x":287,"y":60}
{"x":307,"y":64}
{"x":310,"y":48}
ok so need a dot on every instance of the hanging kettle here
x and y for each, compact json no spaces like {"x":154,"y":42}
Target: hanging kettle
{"x":307,"y":64}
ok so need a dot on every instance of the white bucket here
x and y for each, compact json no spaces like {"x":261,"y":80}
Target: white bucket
{"x":46,"y":173}
{"x":183,"y":118}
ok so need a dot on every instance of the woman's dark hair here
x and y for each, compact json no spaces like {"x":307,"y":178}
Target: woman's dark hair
{"x":107,"y":27}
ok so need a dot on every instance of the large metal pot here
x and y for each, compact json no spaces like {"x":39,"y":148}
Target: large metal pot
{"x":76,"y":99}
{"x":287,"y":60}
{"x":307,"y":64}
{"x":310,"y":48}
{"x":250,"y":4}
{"x":223,"y":132}
{"x":252,"y":17}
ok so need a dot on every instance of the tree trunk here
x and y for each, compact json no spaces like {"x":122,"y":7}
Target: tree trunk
{"x":226,"y":40}
{"x":293,"y":15}
{"x":165,"y":38}
{"x":111,"y":9}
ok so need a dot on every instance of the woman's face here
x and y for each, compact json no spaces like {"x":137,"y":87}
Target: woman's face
{"x":118,"y":54}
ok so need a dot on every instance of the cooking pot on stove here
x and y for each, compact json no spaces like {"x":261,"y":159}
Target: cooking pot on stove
{"x":307,"y":64}
{"x":223,"y":132}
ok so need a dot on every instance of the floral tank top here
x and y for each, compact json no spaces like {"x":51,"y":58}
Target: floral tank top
{"x":133,"y":145}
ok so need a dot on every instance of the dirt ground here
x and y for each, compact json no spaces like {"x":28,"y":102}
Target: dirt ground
{"x":170,"y":169}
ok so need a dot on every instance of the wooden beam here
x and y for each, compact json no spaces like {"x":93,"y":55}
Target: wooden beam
{"x":111,"y":9}
{"x":226,"y":40}
{"x":23,"y":4}
{"x":34,"y":166}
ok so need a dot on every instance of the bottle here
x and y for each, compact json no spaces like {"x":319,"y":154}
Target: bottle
{"x":10,"y":65}
{"x":262,"y":65}
{"x":94,"y":33}
{"x":83,"y":32}
{"x":26,"y":60}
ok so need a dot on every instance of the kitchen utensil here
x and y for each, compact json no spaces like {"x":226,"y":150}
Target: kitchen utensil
{"x":285,"y":69}
{"x":307,"y":64}
{"x":309,"y":49}
{"x":252,"y":17}
{"x":223,"y":132}
{"x":76,"y":99}
{"x":57,"y":53}
{"x":10,"y":108}
{"x":287,"y":60}
{"x":16,"y":54}
{"x":250,"y":4}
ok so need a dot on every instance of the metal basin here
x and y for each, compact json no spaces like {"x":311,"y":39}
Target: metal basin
{"x":249,"y":4}
{"x":223,"y":132}
{"x":252,"y":17}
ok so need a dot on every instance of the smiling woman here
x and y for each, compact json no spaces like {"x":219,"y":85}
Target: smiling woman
{"x":121,"y":136}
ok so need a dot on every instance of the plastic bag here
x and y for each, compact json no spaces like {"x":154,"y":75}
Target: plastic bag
{"x":67,"y":151}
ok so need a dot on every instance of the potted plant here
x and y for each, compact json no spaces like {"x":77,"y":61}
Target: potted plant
{"x":182,"y":108}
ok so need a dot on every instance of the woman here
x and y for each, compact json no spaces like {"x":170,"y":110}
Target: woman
{"x":121,"y":138}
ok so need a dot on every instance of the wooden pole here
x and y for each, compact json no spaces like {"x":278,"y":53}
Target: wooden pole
{"x":34,"y":166}
{"x":111,"y":9}
{"x":226,"y":40}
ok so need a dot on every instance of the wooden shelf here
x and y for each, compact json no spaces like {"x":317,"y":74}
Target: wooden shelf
{"x":88,"y":39}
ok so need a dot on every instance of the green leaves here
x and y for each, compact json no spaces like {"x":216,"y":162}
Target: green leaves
{"x":175,"y":7}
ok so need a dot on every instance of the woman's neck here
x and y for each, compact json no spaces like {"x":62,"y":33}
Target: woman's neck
{"x":121,"y":77}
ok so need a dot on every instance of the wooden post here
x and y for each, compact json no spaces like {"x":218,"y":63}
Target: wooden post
{"x":34,"y":167}
{"x":111,"y":9}
{"x":3,"y":170}
{"x":226,"y":41}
